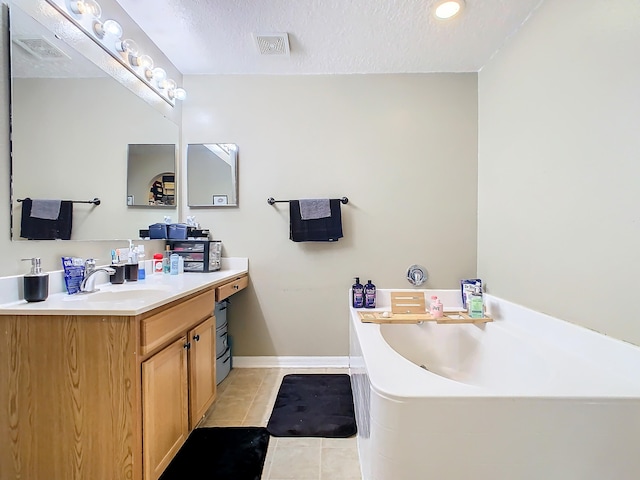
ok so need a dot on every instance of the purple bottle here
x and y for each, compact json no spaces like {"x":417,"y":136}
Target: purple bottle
{"x":357,"y":294}
{"x":369,"y":295}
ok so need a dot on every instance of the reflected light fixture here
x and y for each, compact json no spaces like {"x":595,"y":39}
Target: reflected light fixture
{"x":85,"y":14}
{"x":448,"y":8}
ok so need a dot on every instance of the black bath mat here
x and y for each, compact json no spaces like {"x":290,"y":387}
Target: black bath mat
{"x":220,"y":453}
{"x":313,"y":405}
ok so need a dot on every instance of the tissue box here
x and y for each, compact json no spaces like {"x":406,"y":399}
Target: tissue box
{"x":177,"y":231}
{"x":158,"y":231}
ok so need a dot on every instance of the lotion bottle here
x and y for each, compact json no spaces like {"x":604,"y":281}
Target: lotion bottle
{"x":36,"y":283}
{"x":369,"y":295}
{"x":435,"y":307}
{"x":357,"y":294}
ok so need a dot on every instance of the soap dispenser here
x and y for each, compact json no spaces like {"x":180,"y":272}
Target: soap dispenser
{"x":36,"y":283}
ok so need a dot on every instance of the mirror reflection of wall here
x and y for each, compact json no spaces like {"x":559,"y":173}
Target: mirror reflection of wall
{"x":71,"y":126}
{"x":151,"y":175}
{"x":212,"y":174}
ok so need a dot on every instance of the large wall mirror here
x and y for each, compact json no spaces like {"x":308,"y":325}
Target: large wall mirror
{"x":72,"y":126}
{"x":212,"y":175}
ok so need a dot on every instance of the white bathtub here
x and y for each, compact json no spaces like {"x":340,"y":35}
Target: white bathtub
{"x":526,"y":397}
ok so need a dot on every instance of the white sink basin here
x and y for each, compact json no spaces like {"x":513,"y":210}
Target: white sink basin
{"x":125,"y":295}
{"x":133,"y":294}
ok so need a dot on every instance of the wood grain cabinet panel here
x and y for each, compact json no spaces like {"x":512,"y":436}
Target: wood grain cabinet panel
{"x":202,"y":369}
{"x":165,"y":407}
{"x":68,"y":401}
{"x":160,"y":328}
{"x":229,"y":288}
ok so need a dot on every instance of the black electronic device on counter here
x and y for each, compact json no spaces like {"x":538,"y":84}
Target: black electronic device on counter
{"x":198,"y":255}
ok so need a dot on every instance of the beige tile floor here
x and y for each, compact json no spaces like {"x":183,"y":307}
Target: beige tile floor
{"x":246,"y":398}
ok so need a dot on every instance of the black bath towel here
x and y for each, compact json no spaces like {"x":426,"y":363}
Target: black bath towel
{"x":42,"y":229}
{"x":327,"y":229}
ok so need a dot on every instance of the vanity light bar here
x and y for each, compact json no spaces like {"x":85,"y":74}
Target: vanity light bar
{"x":86,"y":14}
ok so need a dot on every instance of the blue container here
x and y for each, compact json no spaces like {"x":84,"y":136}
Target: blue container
{"x":178,"y":231}
{"x":157,"y":231}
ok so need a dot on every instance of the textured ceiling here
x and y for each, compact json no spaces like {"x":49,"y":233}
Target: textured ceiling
{"x":327,"y":36}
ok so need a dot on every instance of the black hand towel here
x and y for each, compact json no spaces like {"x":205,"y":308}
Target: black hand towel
{"x":42,"y":229}
{"x":327,"y":229}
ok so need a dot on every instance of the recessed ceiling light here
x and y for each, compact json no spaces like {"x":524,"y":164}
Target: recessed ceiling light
{"x":448,"y":8}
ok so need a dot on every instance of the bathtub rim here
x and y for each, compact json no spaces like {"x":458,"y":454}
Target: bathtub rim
{"x":394,"y":377}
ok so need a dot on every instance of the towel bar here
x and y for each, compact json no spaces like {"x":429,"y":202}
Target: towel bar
{"x":271,"y":201}
{"x":95,"y":201}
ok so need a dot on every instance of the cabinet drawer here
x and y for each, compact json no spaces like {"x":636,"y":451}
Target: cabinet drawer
{"x":161,"y":327}
{"x":230,"y":288}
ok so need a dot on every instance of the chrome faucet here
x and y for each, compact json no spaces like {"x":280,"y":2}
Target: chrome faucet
{"x":88,"y":285}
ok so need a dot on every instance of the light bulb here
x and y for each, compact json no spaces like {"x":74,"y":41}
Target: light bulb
{"x":86,"y":7}
{"x":144,"y":61}
{"x":110,"y":27}
{"x":158,"y":74}
{"x":179,"y":94}
{"x":167,"y":84}
{"x":448,"y":9}
{"x":127,"y":46}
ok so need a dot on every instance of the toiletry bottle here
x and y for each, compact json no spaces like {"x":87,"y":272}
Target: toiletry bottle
{"x":166,"y":261}
{"x":476,"y":304}
{"x":142,"y":274}
{"x":157,"y":263}
{"x":174,"y":264}
{"x":36,"y":283}
{"x":357,"y":294}
{"x":369,"y":295}
{"x":435,"y":307}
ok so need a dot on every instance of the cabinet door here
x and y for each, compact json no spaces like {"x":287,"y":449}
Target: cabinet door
{"x":202,"y":369}
{"x":164,"y":407}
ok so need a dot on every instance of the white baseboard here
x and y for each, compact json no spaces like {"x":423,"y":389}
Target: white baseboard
{"x":290,"y":362}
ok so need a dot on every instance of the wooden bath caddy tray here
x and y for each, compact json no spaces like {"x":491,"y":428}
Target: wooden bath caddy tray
{"x":448,"y":317}
{"x":409,"y":307}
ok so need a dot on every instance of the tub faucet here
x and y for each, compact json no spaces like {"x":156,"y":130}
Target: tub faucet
{"x":88,"y":284}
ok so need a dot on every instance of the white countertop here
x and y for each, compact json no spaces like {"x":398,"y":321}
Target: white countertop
{"x":155,"y":291}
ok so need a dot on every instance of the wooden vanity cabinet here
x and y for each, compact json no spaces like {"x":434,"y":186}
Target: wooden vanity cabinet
{"x":104,"y":397}
{"x":178,"y":378}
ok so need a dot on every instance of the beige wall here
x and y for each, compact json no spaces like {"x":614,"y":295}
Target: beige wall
{"x":403,"y":148}
{"x":559,"y":167}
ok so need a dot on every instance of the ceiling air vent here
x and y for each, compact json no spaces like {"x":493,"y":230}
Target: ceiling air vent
{"x":40,"y":48}
{"x":273,"y":44}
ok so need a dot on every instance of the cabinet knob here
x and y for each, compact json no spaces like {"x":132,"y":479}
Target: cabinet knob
{"x":187,"y":345}
{"x":235,"y":287}
{"x":196,"y":338}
